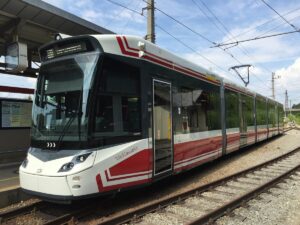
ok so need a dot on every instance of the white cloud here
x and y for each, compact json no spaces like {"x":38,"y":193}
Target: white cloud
{"x":290,"y":80}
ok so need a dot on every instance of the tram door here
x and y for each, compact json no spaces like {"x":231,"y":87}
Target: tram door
{"x":162,"y":127}
{"x":243,"y":123}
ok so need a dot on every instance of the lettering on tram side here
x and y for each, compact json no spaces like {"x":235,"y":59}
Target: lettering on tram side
{"x":123,"y":155}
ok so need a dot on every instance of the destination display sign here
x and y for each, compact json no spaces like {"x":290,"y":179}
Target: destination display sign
{"x":15,"y":114}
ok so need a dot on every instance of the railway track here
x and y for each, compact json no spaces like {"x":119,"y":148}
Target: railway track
{"x":46,"y":213}
{"x":207,"y":203}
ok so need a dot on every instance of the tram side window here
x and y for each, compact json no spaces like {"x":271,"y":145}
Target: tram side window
{"x":214,"y":111}
{"x":261,"y":112}
{"x":276,"y":115}
{"x":281,"y":115}
{"x":232,"y":109}
{"x":248,"y":109}
{"x":195,"y":110}
{"x":271,"y":114}
{"x":104,"y":114}
{"x":117,"y":112}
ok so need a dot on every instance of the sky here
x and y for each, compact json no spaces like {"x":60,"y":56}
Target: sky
{"x":208,"y":23}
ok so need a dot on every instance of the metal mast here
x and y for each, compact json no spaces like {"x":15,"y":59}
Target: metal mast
{"x":273,"y":86}
{"x":286,"y":102}
{"x":150,"y":21}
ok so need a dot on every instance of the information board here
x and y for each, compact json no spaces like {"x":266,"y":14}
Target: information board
{"x":15,"y":114}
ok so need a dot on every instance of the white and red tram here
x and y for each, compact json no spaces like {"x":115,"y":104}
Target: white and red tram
{"x":113,"y":112}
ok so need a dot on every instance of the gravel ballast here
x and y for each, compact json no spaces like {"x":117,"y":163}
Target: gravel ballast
{"x":279,"y":206}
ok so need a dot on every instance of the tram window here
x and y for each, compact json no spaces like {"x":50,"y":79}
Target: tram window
{"x":195,"y":110}
{"x":261,"y":112}
{"x":131,"y":114}
{"x":281,"y":115}
{"x":104,"y":114}
{"x":232,"y":109}
{"x":117,"y":113}
{"x":271,"y":114}
{"x":248,"y":109}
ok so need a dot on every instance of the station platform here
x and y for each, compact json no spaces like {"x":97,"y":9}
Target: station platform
{"x":9,"y":176}
{"x":10,"y":191}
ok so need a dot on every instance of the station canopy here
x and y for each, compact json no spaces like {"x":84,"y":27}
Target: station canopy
{"x":35,"y":23}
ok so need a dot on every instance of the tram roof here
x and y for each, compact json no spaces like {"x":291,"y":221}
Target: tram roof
{"x":130,"y":46}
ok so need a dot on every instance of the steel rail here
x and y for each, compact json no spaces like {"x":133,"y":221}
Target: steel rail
{"x":131,"y":216}
{"x":217,"y":213}
{"x":72,"y":217}
{"x":9,"y":214}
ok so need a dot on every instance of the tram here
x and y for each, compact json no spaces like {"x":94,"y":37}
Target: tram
{"x":113,"y":112}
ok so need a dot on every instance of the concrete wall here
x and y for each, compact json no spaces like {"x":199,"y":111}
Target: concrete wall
{"x":14,"y":139}
{"x":14,"y":144}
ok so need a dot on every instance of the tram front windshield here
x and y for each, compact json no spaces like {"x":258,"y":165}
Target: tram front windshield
{"x":59,"y":112}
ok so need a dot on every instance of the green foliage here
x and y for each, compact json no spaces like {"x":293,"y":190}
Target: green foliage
{"x":295,"y":118}
{"x":296,"y":106}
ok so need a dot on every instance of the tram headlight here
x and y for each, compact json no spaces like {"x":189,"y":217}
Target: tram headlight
{"x":66,"y":167}
{"x":83,"y":157}
{"x":76,"y":160}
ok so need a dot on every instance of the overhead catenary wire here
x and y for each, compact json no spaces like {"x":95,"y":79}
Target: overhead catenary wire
{"x":261,"y":25}
{"x":178,"y":40}
{"x":123,"y":6}
{"x":254,"y":39}
{"x":192,"y":49}
{"x":269,"y":6}
{"x":110,"y":21}
{"x":131,"y":16}
{"x":276,"y":27}
{"x":225,"y":33}
{"x":182,"y":24}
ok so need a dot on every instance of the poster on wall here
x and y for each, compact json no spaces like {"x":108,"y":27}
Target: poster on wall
{"x":15,"y":114}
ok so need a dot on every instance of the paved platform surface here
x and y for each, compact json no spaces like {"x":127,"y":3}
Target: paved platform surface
{"x":9,"y":176}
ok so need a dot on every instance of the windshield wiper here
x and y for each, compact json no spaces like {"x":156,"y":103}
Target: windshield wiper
{"x":70,"y":121}
{"x":66,"y":128}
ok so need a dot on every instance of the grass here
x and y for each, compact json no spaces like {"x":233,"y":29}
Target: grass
{"x":295,"y":118}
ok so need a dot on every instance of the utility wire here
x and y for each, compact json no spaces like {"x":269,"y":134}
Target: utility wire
{"x":161,"y":28}
{"x":123,"y":6}
{"x":295,"y":28}
{"x":244,"y":51}
{"x":131,"y":17}
{"x":192,"y":49}
{"x":207,"y":16}
{"x":182,"y":24}
{"x":274,"y":28}
{"x":254,"y":39}
{"x":262,"y":24}
{"x":224,"y":27}
{"x":187,"y":27}
{"x":110,"y":21}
